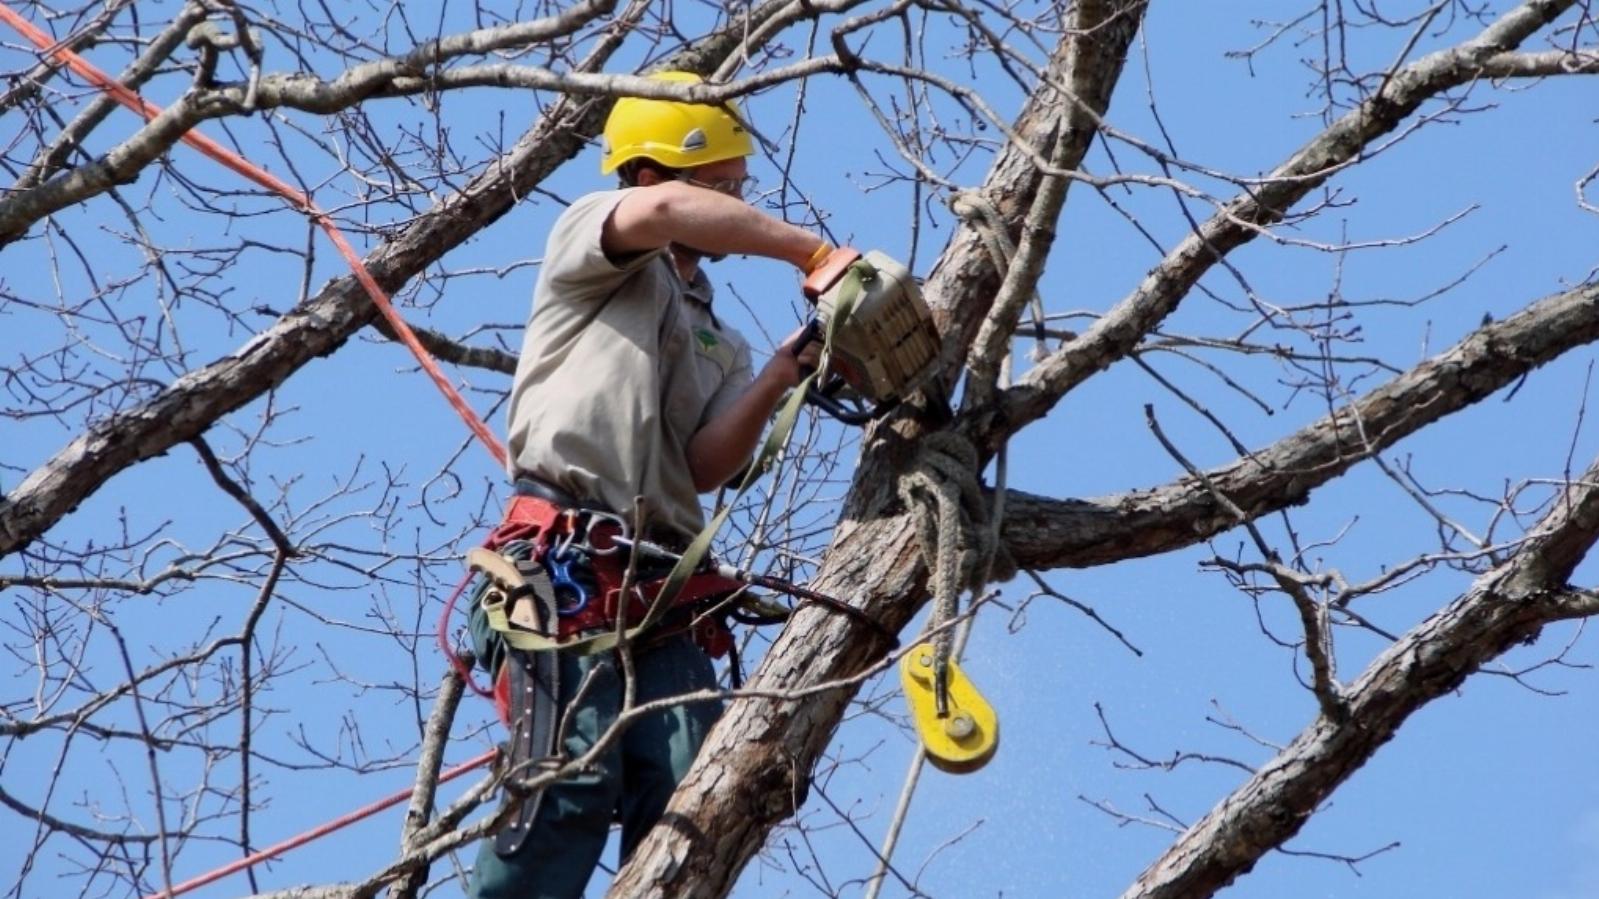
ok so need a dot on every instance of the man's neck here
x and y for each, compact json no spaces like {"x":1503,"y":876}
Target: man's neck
{"x":686,"y":261}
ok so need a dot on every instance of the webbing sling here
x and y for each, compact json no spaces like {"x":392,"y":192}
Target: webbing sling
{"x":853,"y":281}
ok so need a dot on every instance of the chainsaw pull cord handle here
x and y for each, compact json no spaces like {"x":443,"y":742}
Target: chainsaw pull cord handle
{"x":833,"y":267}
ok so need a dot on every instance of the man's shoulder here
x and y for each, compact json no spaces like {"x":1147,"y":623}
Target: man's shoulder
{"x":591,"y":203}
{"x":575,"y":252}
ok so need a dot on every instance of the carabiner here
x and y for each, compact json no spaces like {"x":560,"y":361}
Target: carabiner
{"x":605,"y":521}
{"x":570,"y":595}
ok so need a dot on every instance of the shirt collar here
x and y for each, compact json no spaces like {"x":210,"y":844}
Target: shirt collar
{"x":699,"y":289}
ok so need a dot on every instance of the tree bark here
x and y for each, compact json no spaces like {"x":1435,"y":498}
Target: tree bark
{"x":1071,"y":533}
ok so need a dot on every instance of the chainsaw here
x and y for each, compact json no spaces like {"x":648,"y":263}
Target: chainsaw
{"x":883,"y":343}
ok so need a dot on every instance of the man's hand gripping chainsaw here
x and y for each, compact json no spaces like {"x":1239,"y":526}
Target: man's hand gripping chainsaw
{"x":883,"y":343}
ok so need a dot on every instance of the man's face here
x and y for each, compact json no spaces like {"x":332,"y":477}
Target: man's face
{"x":728,"y":176}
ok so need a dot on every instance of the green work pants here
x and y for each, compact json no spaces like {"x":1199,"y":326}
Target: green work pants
{"x":632,"y":780}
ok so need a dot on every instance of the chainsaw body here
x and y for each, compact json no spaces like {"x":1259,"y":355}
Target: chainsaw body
{"x":883,"y":347}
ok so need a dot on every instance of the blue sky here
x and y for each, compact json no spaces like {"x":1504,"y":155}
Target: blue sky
{"x":1487,"y":791}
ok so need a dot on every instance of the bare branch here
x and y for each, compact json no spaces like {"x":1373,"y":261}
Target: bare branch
{"x":435,"y":737}
{"x":1312,"y":614}
{"x":1509,"y":605}
{"x":70,"y":140}
{"x":1120,"y":330}
{"x":1548,"y":64}
{"x":1051,"y":534}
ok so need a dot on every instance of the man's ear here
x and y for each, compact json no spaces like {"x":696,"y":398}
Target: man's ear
{"x":647,"y":176}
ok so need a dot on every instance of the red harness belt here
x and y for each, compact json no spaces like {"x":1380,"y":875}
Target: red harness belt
{"x":546,"y":527}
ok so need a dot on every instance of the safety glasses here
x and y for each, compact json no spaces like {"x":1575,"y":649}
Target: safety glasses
{"x":733,"y":187}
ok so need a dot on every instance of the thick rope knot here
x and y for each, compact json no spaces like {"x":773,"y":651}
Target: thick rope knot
{"x":953,"y":530}
{"x":974,"y":207}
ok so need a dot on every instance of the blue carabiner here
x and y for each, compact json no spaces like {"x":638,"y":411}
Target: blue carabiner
{"x":570,"y":596}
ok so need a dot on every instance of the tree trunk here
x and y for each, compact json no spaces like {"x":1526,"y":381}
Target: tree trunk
{"x":754,"y":770}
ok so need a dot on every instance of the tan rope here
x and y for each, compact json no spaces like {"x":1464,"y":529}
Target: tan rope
{"x":953,"y":532}
{"x":972,"y":206}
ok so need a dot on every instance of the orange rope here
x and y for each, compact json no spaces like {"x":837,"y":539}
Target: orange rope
{"x":228,"y":158}
{"x":380,"y":298}
{"x":365,"y":811}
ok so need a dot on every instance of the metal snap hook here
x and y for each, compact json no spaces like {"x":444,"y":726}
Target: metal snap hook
{"x":570,"y":595}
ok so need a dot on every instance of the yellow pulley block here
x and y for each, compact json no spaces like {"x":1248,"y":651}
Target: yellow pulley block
{"x":962,"y":740}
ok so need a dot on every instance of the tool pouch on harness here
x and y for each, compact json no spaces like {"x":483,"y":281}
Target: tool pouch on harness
{"x":527,"y":687}
{"x":527,"y":693}
{"x":532,"y":684}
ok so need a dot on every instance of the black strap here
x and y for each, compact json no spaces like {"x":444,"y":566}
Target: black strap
{"x":529,"y":485}
{"x":735,"y":668}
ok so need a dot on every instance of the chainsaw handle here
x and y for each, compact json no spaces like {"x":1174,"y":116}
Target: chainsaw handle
{"x":822,"y":395}
{"x":822,"y":399}
{"x":811,"y":334}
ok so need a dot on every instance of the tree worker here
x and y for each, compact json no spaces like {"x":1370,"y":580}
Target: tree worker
{"x":630,"y":385}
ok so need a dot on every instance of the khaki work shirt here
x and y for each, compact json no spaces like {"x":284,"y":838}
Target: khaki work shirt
{"x":621,"y":363}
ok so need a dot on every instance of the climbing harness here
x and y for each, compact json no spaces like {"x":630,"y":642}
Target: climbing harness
{"x":537,"y":604}
{"x":534,"y":599}
{"x":883,"y":341}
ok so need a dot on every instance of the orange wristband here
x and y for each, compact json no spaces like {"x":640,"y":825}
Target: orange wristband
{"x":818,"y":257}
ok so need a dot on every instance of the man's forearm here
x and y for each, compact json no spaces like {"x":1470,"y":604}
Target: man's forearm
{"x":724,"y":445}
{"x":652,"y":217}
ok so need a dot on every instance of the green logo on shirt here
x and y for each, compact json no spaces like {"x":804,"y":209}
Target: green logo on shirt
{"x":712,"y":347}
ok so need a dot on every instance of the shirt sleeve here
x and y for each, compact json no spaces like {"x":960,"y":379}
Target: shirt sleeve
{"x":575,"y":263}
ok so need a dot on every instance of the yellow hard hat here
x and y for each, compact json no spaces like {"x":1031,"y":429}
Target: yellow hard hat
{"x":676,"y":135}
